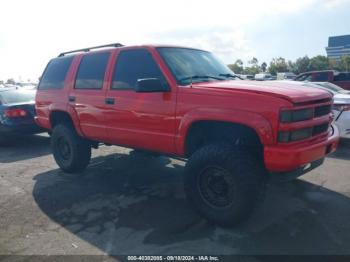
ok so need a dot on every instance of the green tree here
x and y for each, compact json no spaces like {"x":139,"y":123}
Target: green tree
{"x":263,"y":67}
{"x":290,"y":66}
{"x":254,"y":67}
{"x":319,"y":62}
{"x":237,"y":67}
{"x":334,"y":64}
{"x":345,"y":63}
{"x":278,"y":65}
{"x":301,"y":65}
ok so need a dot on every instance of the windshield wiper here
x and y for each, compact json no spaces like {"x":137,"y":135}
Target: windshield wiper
{"x":229,"y":75}
{"x":200,"y":77}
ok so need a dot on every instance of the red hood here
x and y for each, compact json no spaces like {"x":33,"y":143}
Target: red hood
{"x":293,"y":92}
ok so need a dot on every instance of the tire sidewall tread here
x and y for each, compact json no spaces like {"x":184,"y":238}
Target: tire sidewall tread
{"x":248,"y":175}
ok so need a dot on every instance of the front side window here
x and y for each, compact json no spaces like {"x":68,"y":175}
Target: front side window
{"x":91,"y":71}
{"x":55,"y":73}
{"x":321,"y":77}
{"x":194,"y":65}
{"x":133,"y":65}
{"x":306,"y":77}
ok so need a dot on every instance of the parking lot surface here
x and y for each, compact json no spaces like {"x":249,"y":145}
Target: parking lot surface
{"x":128,"y":202}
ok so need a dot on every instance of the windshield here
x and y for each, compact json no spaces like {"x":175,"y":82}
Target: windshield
{"x":17,"y":96}
{"x":194,"y":65}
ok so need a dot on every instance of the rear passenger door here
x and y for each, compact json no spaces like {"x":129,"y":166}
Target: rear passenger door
{"x":140,"y":120}
{"x":88,"y":94}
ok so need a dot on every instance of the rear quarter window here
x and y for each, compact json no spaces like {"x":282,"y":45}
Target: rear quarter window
{"x":55,"y":73}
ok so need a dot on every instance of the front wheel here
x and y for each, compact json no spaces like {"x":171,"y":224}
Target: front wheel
{"x":71,"y":152}
{"x":223,"y":183}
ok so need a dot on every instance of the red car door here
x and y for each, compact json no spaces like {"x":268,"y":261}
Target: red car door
{"x":87,"y":96}
{"x":141,"y":120}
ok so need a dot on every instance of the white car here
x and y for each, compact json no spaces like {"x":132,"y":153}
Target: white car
{"x":341,"y":106}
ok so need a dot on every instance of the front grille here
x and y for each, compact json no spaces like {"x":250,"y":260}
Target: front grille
{"x":290,"y":116}
{"x":320,"y":129}
{"x":322,"y":110}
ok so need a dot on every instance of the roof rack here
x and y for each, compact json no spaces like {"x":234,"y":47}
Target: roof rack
{"x":89,"y":48}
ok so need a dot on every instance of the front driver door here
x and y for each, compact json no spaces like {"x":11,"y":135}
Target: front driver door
{"x":140,"y":120}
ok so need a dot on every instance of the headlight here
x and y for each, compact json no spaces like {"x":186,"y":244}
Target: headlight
{"x":288,"y":116}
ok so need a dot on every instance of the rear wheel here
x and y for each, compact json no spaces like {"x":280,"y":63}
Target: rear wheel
{"x":224,"y":183}
{"x":71,"y":152}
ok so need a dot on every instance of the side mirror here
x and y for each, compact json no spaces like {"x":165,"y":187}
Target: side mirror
{"x":150,"y":85}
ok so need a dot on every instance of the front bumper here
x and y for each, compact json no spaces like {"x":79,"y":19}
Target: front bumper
{"x":285,"y":159}
{"x":291,"y":175}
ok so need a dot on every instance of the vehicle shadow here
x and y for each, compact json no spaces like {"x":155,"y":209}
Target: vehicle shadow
{"x":135,"y":204}
{"x":343,"y":150}
{"x":24,"y":147}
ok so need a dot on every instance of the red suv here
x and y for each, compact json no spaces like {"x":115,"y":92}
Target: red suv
{"x":185,"y":103}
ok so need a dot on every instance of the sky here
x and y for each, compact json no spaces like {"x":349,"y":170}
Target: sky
{"x":32,"y":32}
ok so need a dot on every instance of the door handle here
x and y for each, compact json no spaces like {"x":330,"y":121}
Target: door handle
{"x":109,"y":101}
{"x":71,"y":98}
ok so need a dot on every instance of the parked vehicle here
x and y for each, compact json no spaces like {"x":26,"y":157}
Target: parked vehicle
{"x":331,"y":87}
{"x":285,"y":76}
{"x":341,"y":107}
{"x":264,"y":77}
{"x":26,"y":85}
{"x":247,"y":77}
{"x":341,"y":79}
{"x":17,"y":110}
{"x":183,"y":102}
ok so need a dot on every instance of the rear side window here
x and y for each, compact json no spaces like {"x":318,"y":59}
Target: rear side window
{"x":133,"y":65}
{"x":91,"y":71}
{"x":342,"y":77}
{"x":55,"y":73}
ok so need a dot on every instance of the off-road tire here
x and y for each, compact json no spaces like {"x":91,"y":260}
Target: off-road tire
{"x":79,"y":149}
{"x":246,"y":178}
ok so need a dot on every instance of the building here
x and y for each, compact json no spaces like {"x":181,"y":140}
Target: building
{"x":338,"y":46}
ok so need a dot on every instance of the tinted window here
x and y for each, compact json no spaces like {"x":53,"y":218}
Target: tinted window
{"x":55,"y":73}
{"x":17,"y":96}
{"x":91,"y":71}
{"x":133,"y":65}
{"x":321,"y":77}
{"x":185,"y":63}
{"x":342,"y":77}
{"x":306,"y":77}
